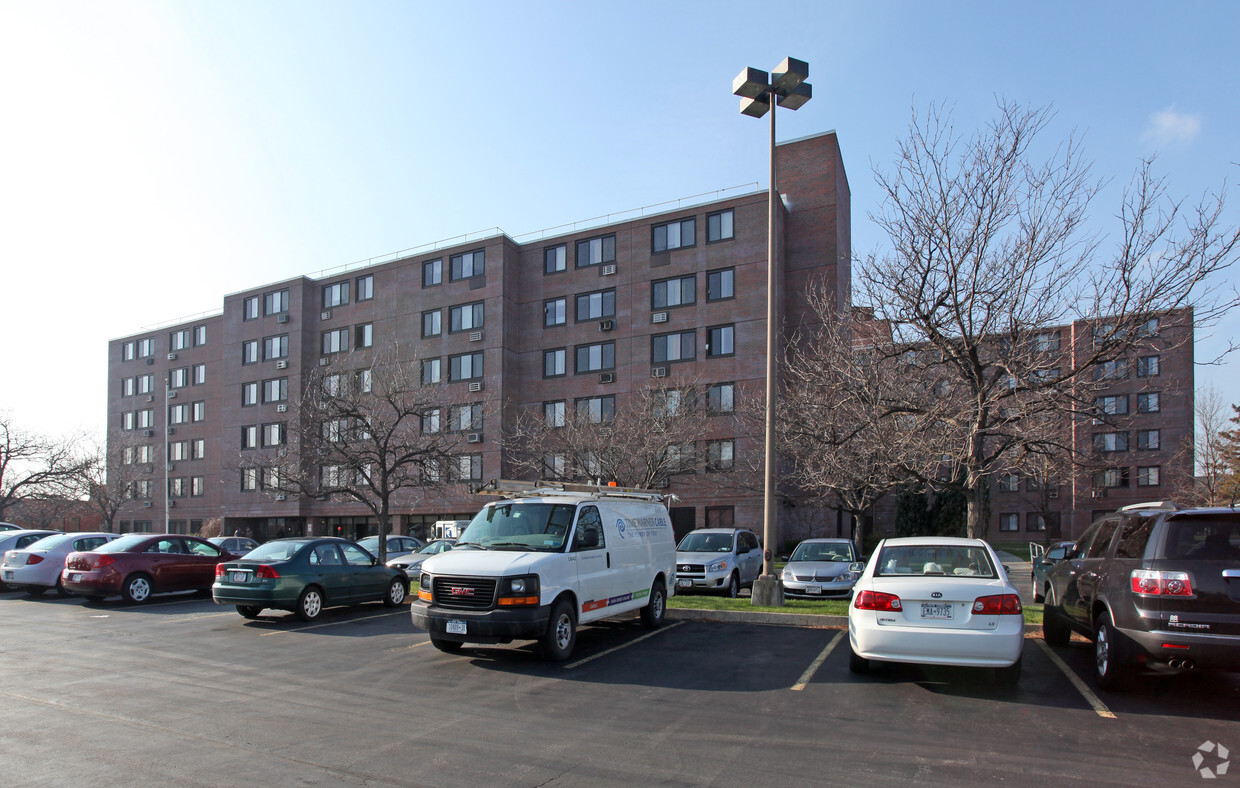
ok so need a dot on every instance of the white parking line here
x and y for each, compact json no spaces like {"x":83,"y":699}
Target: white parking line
{"x":817,"y":663}
{"x":1080,"y":685}
{"x":632,"y":642}
{"x":329,"y":624}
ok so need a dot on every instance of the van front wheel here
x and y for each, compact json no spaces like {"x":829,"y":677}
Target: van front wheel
{"x":557,"y":642}
{"x":653,"y":612}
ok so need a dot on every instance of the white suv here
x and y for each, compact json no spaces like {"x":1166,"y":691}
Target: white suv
{"x":721,"y":560}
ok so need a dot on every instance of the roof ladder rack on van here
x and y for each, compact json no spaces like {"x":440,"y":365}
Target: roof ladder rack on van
{"x":509,"y":488}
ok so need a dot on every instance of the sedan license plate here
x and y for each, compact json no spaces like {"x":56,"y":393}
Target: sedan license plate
{"x":814,"y":589}
{"x":8,"y":575}
{"x":72,"y":577}
{"x":238,"y":577}
{"x":456,"y":628}
{"x":939,"y":610}
{"x":684,"y":583}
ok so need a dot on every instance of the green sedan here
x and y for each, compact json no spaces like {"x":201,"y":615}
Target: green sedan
{"x":305,"y":575}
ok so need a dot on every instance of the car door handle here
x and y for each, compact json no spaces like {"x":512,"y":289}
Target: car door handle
{"x":609,"y":560}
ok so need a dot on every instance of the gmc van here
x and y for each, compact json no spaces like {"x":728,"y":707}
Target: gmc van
{"x":545,"y":559}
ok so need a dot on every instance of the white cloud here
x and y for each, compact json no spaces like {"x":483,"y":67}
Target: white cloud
{"x":1171,"y":126}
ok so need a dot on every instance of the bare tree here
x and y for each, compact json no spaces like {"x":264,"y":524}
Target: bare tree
{"x":639,"y":439}
{"x":367,"y":430}
{"x":988,"y":249}
{"x":1229,"y":455}
{"x":33,"y":466}
{"x":107,"y":473}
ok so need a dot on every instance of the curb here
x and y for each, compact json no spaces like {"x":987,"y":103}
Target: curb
{"x":805,"y":620}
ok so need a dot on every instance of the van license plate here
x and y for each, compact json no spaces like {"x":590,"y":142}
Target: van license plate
{"x":940,"y":610}
{"x":456,"y":627}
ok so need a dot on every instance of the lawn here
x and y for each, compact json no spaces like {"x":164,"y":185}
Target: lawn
{"x":819,"y":607}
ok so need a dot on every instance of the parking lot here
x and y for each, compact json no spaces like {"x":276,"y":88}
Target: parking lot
{"x":184,"y":692}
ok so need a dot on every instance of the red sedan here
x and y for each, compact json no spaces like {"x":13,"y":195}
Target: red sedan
{"x":138,"y":565}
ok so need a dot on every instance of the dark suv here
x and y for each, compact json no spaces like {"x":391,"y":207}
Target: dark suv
{"x":1154,"y":586}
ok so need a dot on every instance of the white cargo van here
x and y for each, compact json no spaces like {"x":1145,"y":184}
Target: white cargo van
{"x":544,"y":559}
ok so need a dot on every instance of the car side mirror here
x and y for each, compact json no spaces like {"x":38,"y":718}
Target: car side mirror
{"x":857,"y":566}
{"x":1007,"y":570}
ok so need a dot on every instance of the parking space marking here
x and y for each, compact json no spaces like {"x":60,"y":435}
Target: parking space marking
{"x":1077,"y":682}
{"x":331,"y":623}
{"x":196,"y":617}
{"x":632,"y":642}
{"x":817,"y":663}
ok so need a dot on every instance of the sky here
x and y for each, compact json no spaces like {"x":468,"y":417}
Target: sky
{"x":156,"y":155}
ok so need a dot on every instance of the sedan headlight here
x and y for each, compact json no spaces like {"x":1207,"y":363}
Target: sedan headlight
{"x":786,"y":574}
{"x":718,"y":566}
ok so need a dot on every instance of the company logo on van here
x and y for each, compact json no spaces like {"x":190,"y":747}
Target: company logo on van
{"x":620,"y":526}
{"x":640,"y":526}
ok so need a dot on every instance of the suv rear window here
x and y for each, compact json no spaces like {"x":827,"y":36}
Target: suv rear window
{"x":1204,"y":538}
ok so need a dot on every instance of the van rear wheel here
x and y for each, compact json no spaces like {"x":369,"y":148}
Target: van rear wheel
{"x":653,"y":612}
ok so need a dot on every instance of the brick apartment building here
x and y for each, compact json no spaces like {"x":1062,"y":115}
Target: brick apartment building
{"x":610,"y":305}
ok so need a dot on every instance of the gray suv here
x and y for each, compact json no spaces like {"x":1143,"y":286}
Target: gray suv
{"x":719,"y":560}
{"x":1154,"y":586}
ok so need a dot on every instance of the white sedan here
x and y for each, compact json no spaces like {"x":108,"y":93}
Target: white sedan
{"x":37,"y":566}
{"x":936,"y":600}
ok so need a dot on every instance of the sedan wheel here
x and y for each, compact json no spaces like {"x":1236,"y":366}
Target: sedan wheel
{"x":396,"y":592}
{"x":137,"y":589}
{"x":857,"y":663}
{"x":249,"y":611}
{"x":310,"y":604}
{"x":39,"y":590}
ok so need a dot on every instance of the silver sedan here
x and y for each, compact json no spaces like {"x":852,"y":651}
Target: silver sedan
{"x":819,"y":569}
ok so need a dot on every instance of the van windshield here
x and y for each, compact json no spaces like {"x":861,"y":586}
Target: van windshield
{"x":541,"y":527}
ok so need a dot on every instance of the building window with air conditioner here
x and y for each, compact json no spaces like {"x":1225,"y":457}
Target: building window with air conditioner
{"x":275,"y":347}
{"x":466,"y":317}
{"x":594,"y":306}
{"x":594,"y":251}
{"x":335,"y":341}
{"x":336,"y":294}
{"x":275,"y":390}
{"x":680,"y":346}
{"x":275,"y":303}
{"x":669,"y":293}
{"x":465,"y":418}
{"x":178,"y":340}
{"x":466,"y":366}
{"x":596,"y":410}
{"x":596,"y":357}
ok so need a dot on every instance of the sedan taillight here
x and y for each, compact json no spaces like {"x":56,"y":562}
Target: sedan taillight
{"x":219,"y":570}
{"x":33,"y":559}
{"x":267,"y":573}
{"x":876,"y":600}
{"x":998,"y":605}
{"x":103,"y":560}
{"x":1154,"y":582}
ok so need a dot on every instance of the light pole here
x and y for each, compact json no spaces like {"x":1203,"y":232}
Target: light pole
{"x":167,"y":454}
{"x":787,"y":86}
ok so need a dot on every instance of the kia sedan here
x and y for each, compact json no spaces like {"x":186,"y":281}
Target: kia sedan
{"x":820,"y":569}
{"x":305,"y":575}
{"x":37,"y":567}
{"x":936,"y":601}
{"x":138,"y":565}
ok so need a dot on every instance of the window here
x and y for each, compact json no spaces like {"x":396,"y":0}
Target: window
{"x":128,"y":387}
{"x":275,"y":390}
{"x":1149,"y":328}
{"x":178,"y":378}
{"x":1148,"y":476}
{"x":146,"y":348}
{"x":465,"y":318}
{"x":720,"y":455}
{"x":1149,"y":439}
{"x":1046,"y":342}
{"x":146,"y":384}
{"x":275,"y":347}
{"x":468,"y":264}
{"x":1116,"y":369}
{"x":431,"y":373}
{"x":249,"y":308}
{"x":465,"y":418}
{"x":554,"y":413}
{"x":249,"y":352}
{"x":673,"y":235}
{"x":178,"y":340}
{"x":275,"y":303}
{"x":1009,"y":522}
{"x":596,"y":250}
{"x":1116,"y":405}
{"x":249,"y":394}
{"x":1148,"y":403}
{"x":197,"y":486}
{"x":467,"y":366}
{"x":249,"y":479}
{"x":667,"y":293}
{"x":198,"y":449}
{"x":669,"y":402}
{"x":249,"y":436}
{"x":596,"y":410}
{"x":199,"y":410}
{"x":718,"y":226}
{"x":720,"y":516}
{"x":332,"y":476}
{"x":469,"y":467}
{"x":555,"y":312}
{"x":142,"y":489}
{"x":335,"y":341}
{"x":1009,"y":482}
{"x":1035,"y":521}
{"x":719,"y":398}
{"x":555,"y":259}
{"x":363,"y":335}
{"x":127,"y":351}
{"x":146,"y":454}
{"x":146,"y":419}
{"x":177,"y":488}
{"x":721,"y":284}
{"x":1148,"y":366}
{"x":335,"y":294}
{"x":719,"y":341}
{"x":273,"y":434}
{"x":361,"y":381}
{"x":178,"y":414}
{"x":555,"y":362}
{"x":178,"y":450}
{"x":554,"y":466}
{"x":1111,"y":477}
{"x":432,"y":273}
{"x":673,"y":347}
{"x":596,"y":357}
{"x":592,"y":306}
{"x":200,"y":374}
{"x":1110,"y":441}
{"x":365,"y":287}
{"x":200,"y":336}
{"x":432,"y":323}
{"x":430,"y":421}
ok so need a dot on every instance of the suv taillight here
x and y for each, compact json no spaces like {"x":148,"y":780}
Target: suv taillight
{"x":876,"y":600}
{"x":1156,"y":582}
{"x":998,"y":605}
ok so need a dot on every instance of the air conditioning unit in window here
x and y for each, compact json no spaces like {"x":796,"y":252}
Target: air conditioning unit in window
{"x":609,"y":270}
{"x":606,"y":325}
{"x":282,"y":364}
{"x":326,"y":314}
{"x":1098,"y":493}
{"x":607,"y":377}
{"x":658,"y":372}
{"x":324,"y":361}
{"x":171,"y":467}
{"x":148,"y":433}
{"x":172,"y":504}
{"x":283,"y":452}
{"x":172,"y":395}
{"x":473,"y":437}
{"x":475,"y":336}
{"x":282,"y":319}
{"x":280,"y":497}
{"x":475,"y":387}
{"x":150,"y":397}
{"x":150,"y":361}
{"x":658,"y":317}
{"x":281,"y":408}
{"x":661,"y":484}
{"x":172,"y":430}
{"x":146,"y":504}
{"x":172,"y":356}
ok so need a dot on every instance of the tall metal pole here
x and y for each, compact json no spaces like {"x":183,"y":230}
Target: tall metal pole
{"x":167,"y":420}
{"x":768,"y":485}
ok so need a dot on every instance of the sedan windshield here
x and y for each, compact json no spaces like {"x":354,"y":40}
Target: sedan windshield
{"x":957,"y":560}
{"x":838,"y":552}
{"x":279,"y":550}
{"x":520,"y":526}
{"x":705,"y":543}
